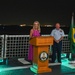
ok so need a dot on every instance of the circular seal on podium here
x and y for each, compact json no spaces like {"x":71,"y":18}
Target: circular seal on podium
{"x":43,"y":56}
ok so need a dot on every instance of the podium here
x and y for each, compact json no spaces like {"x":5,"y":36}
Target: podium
{"x":40,"y":53}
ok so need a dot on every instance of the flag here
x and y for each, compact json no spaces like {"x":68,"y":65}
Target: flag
{"x":71,"y":35}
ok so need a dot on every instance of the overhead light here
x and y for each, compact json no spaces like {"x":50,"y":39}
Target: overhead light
{"x":22,"y":25}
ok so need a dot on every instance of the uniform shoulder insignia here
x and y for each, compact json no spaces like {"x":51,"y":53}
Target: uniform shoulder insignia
{"x":61,"y":30}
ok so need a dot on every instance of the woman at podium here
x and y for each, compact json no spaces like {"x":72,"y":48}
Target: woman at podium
{"x":34,"y":32}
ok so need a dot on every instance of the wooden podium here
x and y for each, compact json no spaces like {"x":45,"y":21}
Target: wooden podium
{"x":40,"y":53}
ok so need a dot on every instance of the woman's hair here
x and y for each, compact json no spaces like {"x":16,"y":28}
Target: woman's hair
{"x":38,"y":25}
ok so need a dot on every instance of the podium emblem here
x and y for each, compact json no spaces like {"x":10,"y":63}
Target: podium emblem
{"x":43,"y":56}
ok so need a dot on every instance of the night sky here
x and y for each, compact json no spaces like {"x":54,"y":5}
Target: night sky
{"x":45,"y":11}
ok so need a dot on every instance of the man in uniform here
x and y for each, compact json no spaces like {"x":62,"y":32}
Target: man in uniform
{"x":58,"y":35}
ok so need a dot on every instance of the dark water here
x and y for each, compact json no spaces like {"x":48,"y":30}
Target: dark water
{"x":17,"y":30}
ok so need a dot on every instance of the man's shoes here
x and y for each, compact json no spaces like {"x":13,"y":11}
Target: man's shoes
{"x":59,"y":61}
{"x":52,"y":62}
